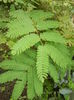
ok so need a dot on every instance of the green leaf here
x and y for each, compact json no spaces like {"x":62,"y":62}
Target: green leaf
{"x":38,"y":15}
{"x":30,"y":88}
{"x":48,"y":24}
{"x":21,"y":25}
{"x":53,"y":72}
{"x":62,"y":48}
{"x":18,"y":88}
{"x":57,"y":56}
{"x":31,"y":53}
{"x":53,"y":36}
{"x":13,"y":65}
{"x":10,"y":76}
{"x":24,"y":59}
{"x":25,"y":43}
{"x":42,"y":63}
{"x":38,"y":85}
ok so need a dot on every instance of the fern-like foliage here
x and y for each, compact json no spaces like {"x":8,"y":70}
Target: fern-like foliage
{"x":30,"y":90}
{"x":10,"y":76}
{"x":57,"y":57}
{"x":52,"y":36}
{"x":37,"y":83}
{"x":21,"y":20}
{"x":35,"y":33}
{"x":25,"y":43}
{"x":18,"y":88}
{"x":24,"y":73}
{"x":42,"y":63}
{"x":37,"y":24}
{"x":52,"y":69}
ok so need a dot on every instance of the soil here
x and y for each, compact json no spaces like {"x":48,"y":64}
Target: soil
{"x":5,"y":95}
